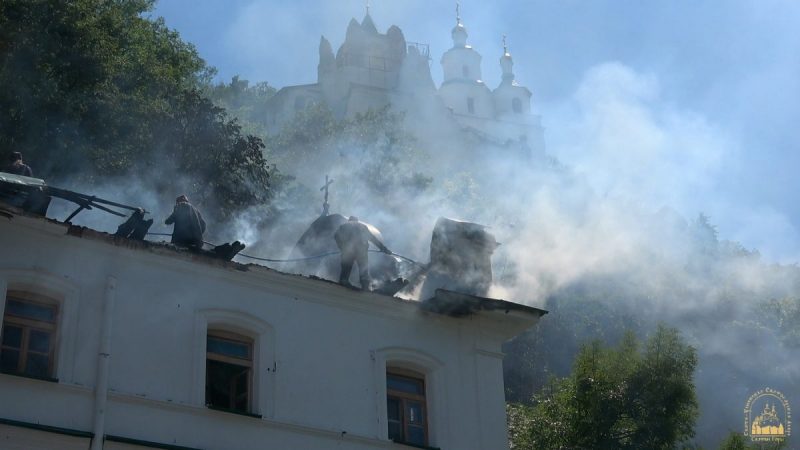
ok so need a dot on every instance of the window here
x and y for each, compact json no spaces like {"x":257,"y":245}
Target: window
{"x":29,"y":335}
{"x":465,"y":71}
{"x":471,"y":105}
{"x":516,"y":105}
{"x":405,"y":407}
{"x":229,"y":371}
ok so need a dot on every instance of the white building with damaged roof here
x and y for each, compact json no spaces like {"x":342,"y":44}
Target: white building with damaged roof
{"x":114,"y":343}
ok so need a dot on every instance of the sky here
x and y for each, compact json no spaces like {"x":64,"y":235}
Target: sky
{"x":693,"y":105}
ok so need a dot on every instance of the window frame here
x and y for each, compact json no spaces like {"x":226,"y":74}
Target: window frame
{"x":249,"y":363}
{"x":436,"y":388}
{"x":407,"y":396}
{"x":27,"y":325}
{"x":263,"y":395}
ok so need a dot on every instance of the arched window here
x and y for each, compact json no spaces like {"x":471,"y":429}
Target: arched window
{"x":229,"y":371}
{"x":516,"y":105}
{"x":471,"y":105}
{"x":406,"y":406}
{"x":410,"y":388}
{"x":465,"y":71}
{"x":30,"y":330}
{"x":234,"y":362}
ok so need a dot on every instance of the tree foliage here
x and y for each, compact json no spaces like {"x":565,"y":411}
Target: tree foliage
{"x":95,"y":89}
{"x":246,"y":102}
{"x":631,"y":396}
{"x":737,"y":441}
{"x":373,"y":149}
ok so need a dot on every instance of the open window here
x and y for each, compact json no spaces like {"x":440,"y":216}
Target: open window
{"x":406,"y":406}
{"x":229,"y":371}
{"x":30,"y":328}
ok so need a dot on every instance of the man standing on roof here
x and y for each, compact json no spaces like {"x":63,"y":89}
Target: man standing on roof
{"x":17,"y":167}
{"x":353,"y":239}
{"x":189,"y":224}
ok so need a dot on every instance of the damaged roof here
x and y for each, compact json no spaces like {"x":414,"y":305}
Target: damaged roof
{"x":456,"y":304}
{"x":444,"y":302}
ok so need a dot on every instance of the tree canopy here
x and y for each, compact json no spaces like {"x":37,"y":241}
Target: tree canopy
{"x":631,"y":396}
{"x":94,"y":89}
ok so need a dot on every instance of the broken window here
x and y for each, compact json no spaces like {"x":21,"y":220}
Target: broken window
{"x":29,"y":335}
{"x":471,"y":105}
{"x":405,"y":407}
{"x":229,"y":371}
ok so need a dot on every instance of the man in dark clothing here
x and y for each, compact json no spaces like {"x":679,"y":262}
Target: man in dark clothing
{"x":189,"y":224}
{"x":17,"y":167}
{"x":353,"y":239}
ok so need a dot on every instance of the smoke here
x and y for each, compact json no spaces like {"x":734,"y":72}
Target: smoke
{"x":611,"y":219}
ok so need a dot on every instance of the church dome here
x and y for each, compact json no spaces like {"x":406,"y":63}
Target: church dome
{"x":460,"y":35}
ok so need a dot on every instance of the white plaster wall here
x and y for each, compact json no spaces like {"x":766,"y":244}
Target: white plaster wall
{"x":17,"y":438}
{"x":454,"y":60}
{"x":454,"y":95}
{"x":321,"y":368}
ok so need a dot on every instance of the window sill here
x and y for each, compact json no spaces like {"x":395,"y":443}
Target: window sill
{"x":408,"y":444}
{"x":31,"y":377}
{"x":234,"y":411}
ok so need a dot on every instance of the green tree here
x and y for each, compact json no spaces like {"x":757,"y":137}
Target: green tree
{"x":246,"y":102}
{"x":372,"y":150}
{"x":736,"y":441}
{"x":94,"y":89}
{"x":624,"y":397}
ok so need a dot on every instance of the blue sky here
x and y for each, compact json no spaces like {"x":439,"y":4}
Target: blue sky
{"x":702,"y":96}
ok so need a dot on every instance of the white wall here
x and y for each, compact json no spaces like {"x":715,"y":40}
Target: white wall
{"x":321,"y":352}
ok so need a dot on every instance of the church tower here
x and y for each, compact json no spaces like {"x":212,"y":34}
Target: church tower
{"x":511,"y":101}
{"x":463,"y":90}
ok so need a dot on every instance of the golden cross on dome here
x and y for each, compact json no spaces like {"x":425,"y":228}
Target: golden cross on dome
{"x":458,"y":13}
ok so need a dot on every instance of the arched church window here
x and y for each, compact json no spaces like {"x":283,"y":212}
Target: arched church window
{"x":471,"y":105}
{"x":516,"y":105}
{"x":465,"y":71}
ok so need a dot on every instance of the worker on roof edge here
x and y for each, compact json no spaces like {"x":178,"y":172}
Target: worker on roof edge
{"x":17,"y":167}
{"x":189,"y":224}
{"x":353,"y":238}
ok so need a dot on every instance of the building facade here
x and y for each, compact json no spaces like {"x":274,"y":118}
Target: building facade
{"x":120,"y":344}
{"x":372,"y":70}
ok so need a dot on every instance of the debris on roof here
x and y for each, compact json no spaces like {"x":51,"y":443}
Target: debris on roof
{"x":456,"y":304}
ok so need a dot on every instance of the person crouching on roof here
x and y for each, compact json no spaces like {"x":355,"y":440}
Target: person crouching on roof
{"x":353,"y":238}
{"x":189,"y":224}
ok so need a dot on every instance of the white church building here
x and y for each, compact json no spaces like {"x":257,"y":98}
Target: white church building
{"x":372,"y":70}
{"x":111,"y":343}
